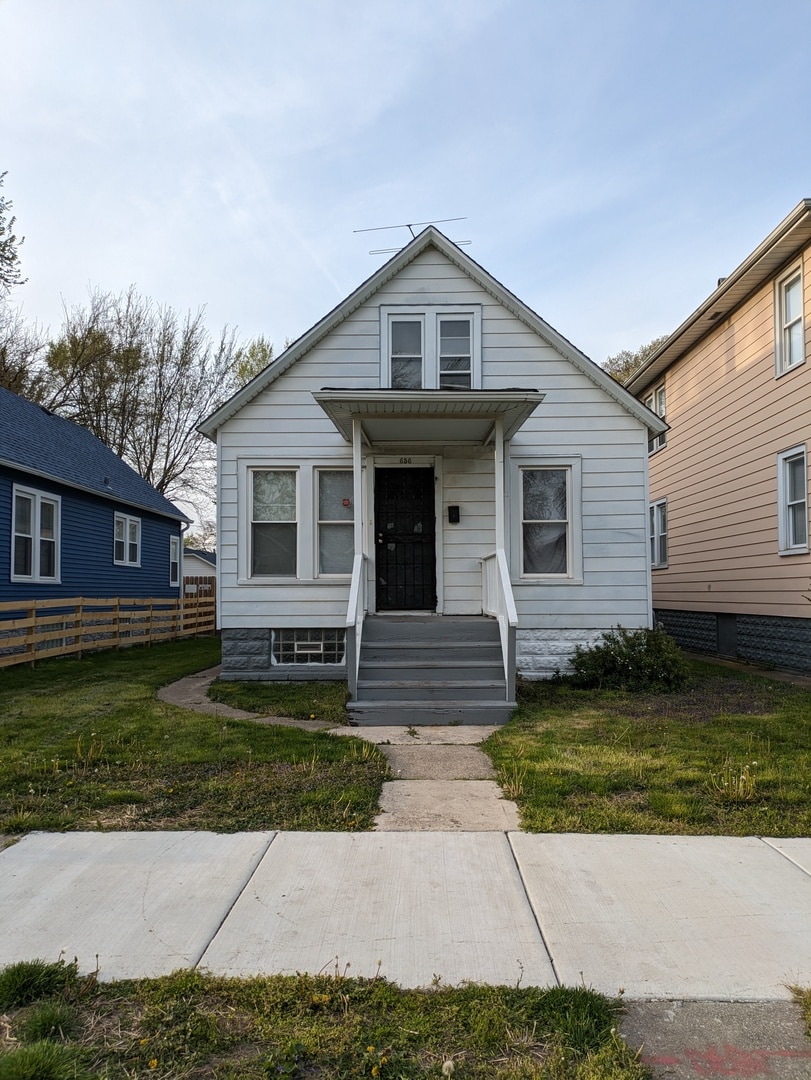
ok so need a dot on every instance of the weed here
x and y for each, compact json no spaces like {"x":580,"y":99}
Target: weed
{"x":28,"y":981}
{"x":51,"y":1020}
{"x":511,"y":777}
{"x":734,"y":783}
{"x":43,"y":1061}
{"x":630,"y":660}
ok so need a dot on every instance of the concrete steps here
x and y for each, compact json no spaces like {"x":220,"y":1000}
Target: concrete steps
{"x":430,"y":670}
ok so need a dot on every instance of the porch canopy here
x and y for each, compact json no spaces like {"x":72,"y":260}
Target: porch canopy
{"x":428,"y":416}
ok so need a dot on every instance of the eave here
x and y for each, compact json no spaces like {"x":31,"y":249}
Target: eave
{"x":778,"y":249}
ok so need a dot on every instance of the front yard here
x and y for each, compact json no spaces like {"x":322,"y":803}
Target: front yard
{"x":85,"y":744}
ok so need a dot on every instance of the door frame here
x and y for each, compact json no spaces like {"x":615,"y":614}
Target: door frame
{"x":405,"y":461}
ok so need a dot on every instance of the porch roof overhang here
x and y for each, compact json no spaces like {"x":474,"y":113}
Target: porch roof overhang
{"x":428,"y":416}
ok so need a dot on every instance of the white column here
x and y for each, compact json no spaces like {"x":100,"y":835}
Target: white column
{"x":357,"y":477}
{"x":501,"y":531}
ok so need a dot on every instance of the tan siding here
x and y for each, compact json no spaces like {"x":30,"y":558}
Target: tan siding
{"x":730,"y":417}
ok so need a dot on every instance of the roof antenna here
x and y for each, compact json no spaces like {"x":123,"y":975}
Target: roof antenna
{"x":411,"y":226}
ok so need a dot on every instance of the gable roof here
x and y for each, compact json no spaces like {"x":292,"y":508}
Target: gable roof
{"x":430,"y":238}
{"x":206,"y":556}
{"x":780,"y":246}
{"x":37,"y":441}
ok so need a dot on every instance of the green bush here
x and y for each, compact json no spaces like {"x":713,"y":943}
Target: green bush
{"x":630,"y":660}
{"x":47,"y":1020}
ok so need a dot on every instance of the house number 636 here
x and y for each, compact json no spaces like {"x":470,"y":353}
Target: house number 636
{"x":405,"y":460}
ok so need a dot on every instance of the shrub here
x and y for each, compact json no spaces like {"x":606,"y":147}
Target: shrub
{"x":54,"y":1020}
{"x":43,"y":1061}
{"x":630,"y":660}
{"x":28,"y":981}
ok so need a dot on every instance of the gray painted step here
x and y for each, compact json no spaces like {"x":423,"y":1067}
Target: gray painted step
{"x":422,"y":628}
{"x":460,"y":690}
{"x":422,"y":713}
{"x":406,"y":670}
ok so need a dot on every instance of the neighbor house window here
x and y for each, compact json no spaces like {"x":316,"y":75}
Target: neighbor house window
{"x":35,"y":539}
{"x":127,"y":541}
{"x":792,"y":496}
{"x":336,"y":529}
{"x":431,"y":348}
{"x":174,"y":560}
{"x":789,"y":333}
{"x":274,"y":522}
{"x":658,"y":533}
{"x":657,"y":403}
{"x":545,"y":521}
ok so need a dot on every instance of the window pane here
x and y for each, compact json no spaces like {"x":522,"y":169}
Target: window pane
{"x":335,"y":490}
{"x":454,"y":381}
{"x":798,"y":525}
{"x":545,"y":549}
{"x":406,"y":338}
{"x":274,"y":496}
{"x":454,"y":337}
{"x":794,"y":343}
{"x":793,"y":300}
{"x":336,"y":548}
{"x":796,"y":479}
{"x":23,"y":551}
{"x":544,"y":495}
{"x":47,"y":520}
{"x":47,"y":558}
{"x":406,"y":374}
{"x":273,"y":550}
{"x":23,"y":513}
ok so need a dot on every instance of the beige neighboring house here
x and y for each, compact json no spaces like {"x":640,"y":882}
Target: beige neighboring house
{"x":199,"y":566}
{"x":729,"y":480}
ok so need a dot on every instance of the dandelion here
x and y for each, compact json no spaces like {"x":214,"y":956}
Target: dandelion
{"x":312,"y":716}
{"x":448,"y":1068}
{"x":153,"y":1064}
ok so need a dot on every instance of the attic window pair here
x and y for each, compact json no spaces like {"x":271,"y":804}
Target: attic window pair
{"x":431,"y":348}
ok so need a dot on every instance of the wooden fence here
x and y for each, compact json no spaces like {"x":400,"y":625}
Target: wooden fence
{"x":40,"y":629}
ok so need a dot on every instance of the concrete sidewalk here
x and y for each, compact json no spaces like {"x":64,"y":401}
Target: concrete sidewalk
{"x":657,"y":917}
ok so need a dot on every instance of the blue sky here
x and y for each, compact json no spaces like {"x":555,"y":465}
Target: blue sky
{"x":612,"y":158}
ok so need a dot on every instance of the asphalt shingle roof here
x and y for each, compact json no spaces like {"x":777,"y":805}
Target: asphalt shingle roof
{"x":38,"y":441}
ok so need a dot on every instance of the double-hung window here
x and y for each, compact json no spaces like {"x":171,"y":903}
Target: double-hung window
{"x":789,"y":330}
{"x":35,"y":539}
{"x":127,"y":540}
{"x":336,"y":529}
{"x":431,"y":348}
{"x":658,"y":533}
{"x":792,"y":498}
{"x":274,"y":522}
{"x":545,"y":523}
{"x":657,"y":403}
{"x":174,"y":560}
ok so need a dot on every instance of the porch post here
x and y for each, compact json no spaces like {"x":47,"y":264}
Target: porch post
{"x":501,"y":531}
{"x":357,"y":478}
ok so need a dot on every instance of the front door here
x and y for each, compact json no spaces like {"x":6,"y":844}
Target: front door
{"x":405,"y":539}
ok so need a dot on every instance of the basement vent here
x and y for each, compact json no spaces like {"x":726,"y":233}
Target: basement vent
{"x":309,"y":646}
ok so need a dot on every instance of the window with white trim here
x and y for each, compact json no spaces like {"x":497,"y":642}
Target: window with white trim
{"x":431,"y":348}
{"x":792,"y":501}
{"x":35,"y":536}
{"x":127,"y":540}
{"x":789,"y":329}
{"x":545,"y":525}
{"x":174,"y":560}
{"x":335,"y":521}
{"x":274,"y":522}
{"x":657,"y":402}
{"x":658,"y":533}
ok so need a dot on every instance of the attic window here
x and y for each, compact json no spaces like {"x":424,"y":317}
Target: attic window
{"x":436,"y":347}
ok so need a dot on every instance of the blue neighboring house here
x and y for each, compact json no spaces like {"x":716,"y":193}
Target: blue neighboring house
{"x":76,"y":520}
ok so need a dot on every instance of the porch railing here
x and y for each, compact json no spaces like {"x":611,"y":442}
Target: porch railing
{"x":355,"y":612}
{"x":497,"y":601}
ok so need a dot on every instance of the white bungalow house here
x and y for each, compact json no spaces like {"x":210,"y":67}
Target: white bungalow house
{"x":430,"y":490}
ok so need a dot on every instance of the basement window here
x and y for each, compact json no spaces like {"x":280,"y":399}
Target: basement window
{"x":309,"y":646}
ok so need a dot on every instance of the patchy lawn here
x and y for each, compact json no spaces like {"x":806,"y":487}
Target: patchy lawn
{"x":728,"y":755}
{"x":85,"y":744}
{"x":327,"y":1027}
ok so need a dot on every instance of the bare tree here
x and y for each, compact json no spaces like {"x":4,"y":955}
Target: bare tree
{"x":142,"y":379}
{"x":9,"y":243}
{"x":624,"y":364}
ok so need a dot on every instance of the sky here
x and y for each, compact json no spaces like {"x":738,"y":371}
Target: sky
{"x":610,"y":159}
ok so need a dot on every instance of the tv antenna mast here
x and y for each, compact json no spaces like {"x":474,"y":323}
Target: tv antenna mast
{"x":411,"y":226}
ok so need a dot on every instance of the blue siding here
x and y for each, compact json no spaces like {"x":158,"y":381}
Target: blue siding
{"x":87,"y":530}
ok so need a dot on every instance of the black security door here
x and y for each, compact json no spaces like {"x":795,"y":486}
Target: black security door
{"x":405,"y":533}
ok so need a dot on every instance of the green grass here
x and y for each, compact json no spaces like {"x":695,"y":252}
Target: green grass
{"x":728,"y":755}
{"x":328,"y":1026}
{"x":299,"y":700}
{"x":85,"y":744}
